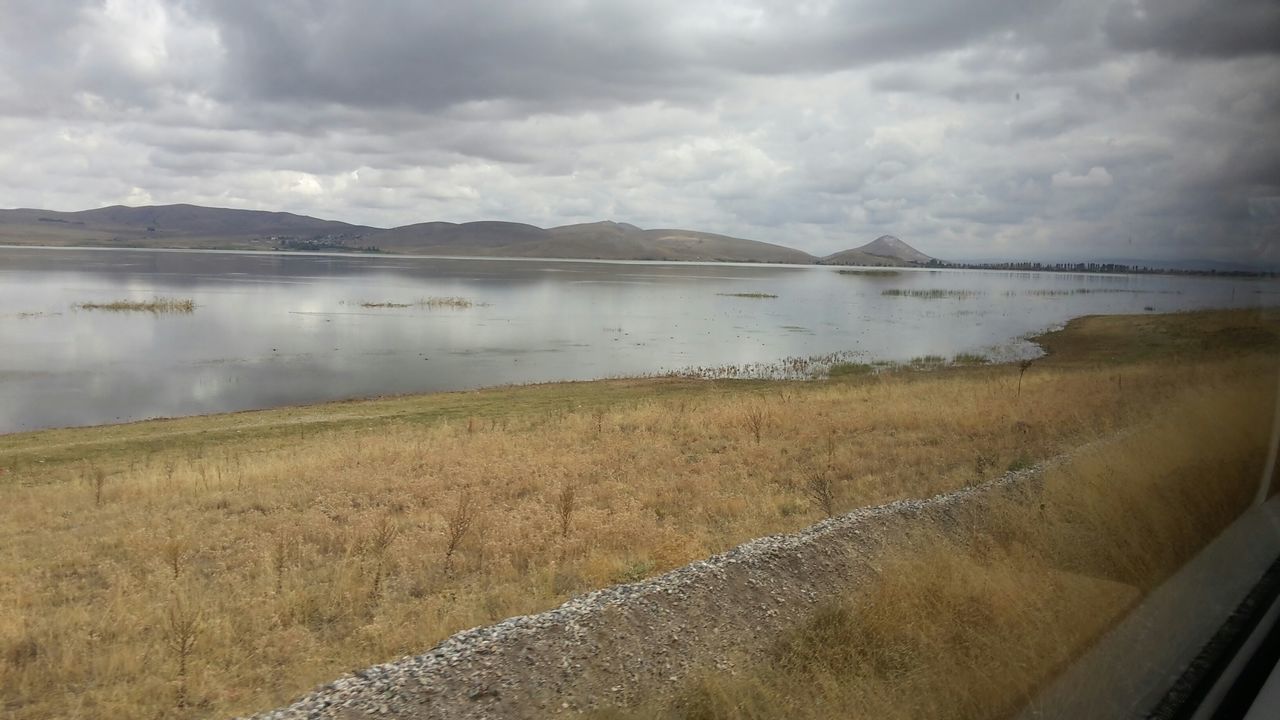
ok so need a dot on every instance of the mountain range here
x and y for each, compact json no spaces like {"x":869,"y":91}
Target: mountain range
{"x":194,"y":226}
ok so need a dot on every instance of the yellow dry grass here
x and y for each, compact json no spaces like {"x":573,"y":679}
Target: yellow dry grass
{"x":220,"y":565}
{"x":969,"y":621}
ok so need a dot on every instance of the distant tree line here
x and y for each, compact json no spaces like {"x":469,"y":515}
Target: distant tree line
{"x":1098,"y":268}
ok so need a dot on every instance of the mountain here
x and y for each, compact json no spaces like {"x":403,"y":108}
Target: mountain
{"x":884,"y":251}
{"x":170,"y":226}
{"x":599,"y":240}
{"x":193,"y":226}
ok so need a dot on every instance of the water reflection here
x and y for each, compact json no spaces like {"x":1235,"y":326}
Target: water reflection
{"x":275,"y":329}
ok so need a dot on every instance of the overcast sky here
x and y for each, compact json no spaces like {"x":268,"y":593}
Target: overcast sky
{"x":1036,"y":129}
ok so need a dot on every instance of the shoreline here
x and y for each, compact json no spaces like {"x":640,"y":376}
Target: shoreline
{"x":958,"y":267}
{"x":301,"y":544}
{"x":1036,"y":340}
{"x":675,"y":376}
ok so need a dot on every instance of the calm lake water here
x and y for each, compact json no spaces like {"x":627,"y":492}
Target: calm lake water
{"x":277,"y":329}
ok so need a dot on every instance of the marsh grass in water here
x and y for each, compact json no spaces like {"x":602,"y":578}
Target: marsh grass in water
{"x":871,"y":273}
{"x":456,"y":303}
{"x":1043,"y":292}
{"x":154,"y":305}
{"x":754,"y":295}
{"x":811,"y":367}
{"x":932,"y":294}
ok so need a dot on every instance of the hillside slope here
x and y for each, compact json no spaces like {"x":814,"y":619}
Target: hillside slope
{"x":599,"y":240}
{"x":193,"y":226}
{"x":170,"y":226}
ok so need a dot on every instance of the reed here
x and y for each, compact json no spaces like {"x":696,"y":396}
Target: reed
{"x":932,"y":294}
{"x":154,"y":305}
{"x":454,"y":303}
{"x":871,"y":273}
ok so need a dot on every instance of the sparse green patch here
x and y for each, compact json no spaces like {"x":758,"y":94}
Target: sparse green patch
{"x":850,"y":369}
{"x":634,"y":571}
{"x":1021,"y":462}
{"x":154,"y":305}
{"x":970,"y":359}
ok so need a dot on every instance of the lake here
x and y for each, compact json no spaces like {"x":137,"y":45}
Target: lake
{"x":273,"y":329}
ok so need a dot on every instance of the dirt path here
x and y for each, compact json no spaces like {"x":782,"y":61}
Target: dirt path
{"x":622,"y":644}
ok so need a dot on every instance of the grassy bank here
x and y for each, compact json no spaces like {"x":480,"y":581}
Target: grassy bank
{"x":227,"y":563}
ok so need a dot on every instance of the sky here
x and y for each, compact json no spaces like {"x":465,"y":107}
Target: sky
{"x":985,"y":129}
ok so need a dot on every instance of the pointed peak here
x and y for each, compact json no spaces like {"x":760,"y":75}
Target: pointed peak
{"x":891,"y":246}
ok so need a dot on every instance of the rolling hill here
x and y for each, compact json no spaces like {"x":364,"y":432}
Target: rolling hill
{"x":190,"y":226}
{"x":599,"y":240}
{"x":884,"y":251}
{"x":193,"y":226}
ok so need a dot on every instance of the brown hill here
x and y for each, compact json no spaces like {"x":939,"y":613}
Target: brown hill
{"x":599,"y":240}
{"x":193,"y":226}
{"x":170,"y":226}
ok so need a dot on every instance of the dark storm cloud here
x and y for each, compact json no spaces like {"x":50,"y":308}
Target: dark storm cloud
{"x":436,"y":55}
{"x":548,"y":53}
{"x":1210,"y":28}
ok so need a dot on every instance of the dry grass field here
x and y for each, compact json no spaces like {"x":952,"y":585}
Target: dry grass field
{"x":969,"y":622}
{"x":211,"y":566}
